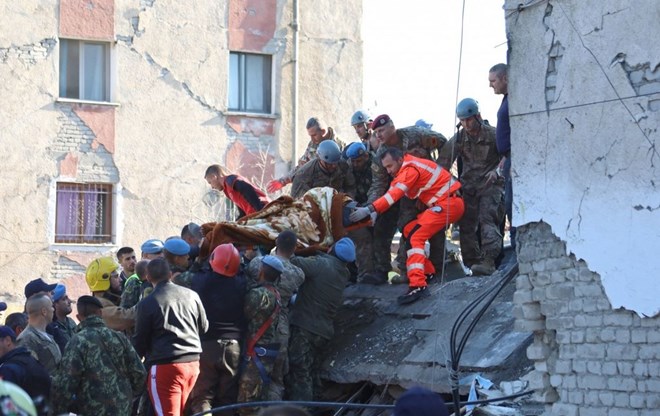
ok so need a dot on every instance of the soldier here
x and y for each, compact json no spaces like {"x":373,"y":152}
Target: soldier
{"x":326,"y":170}
{"x":100,"y":371}
{"x":176,"y":252}
{"x":482,"y":188}
{"x":423,"y":180}
{"x":262,"y":311}
{"x":318,"y":132}
{"x":287,"y":285}
{"x":221,"y":288}
{"x":61,"y":319}
{"x":103,"y":281}
{"x":312,"y":319}
{"x":246,"y":197}
{"x":421,"y":143}
{"x":43,"y":347}
{"x":135,"y":287}
{"x":361,"y":122}
{"x":151,"y":249}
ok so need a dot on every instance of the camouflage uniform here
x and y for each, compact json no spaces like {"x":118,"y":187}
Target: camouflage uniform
{"x":313,"y":176}
{"x":480,"y":237}
{"x":42,"y":346}
{"x":261,"y":303}
{"x":100,"y":373}
{"x":310,"y":154}
{"x":363,"y":237}
{"x":425,"y":143}
{"x":132,"y":292}
{"x":290,"y":280}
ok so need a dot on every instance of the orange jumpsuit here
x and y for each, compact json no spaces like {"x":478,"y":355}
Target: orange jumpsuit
{"x":424,"y":180}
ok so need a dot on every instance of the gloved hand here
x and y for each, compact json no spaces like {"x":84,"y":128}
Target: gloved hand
{"x":274,"y":185}
{"x":359,"y":214}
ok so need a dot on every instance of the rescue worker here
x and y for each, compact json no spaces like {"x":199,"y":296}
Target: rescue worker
{"x":246,"y":197}
{"x":290,"y":280}
{"x":151,"y":249}
{"x":135,"y":287}
{"x":127,"y":259}
{"x":326,"y":170}
{"x":423,"y":180}
{"x":262,"y":308}
{"x":100,"y":372}
{"x":361,"y":122}
{"x":176,"y":252}
{"x":101,"y":275}
{"x":221,"y":287}
{"x":318,"y":132}
{"x":360,"y":160}
{"x":312,"y":318}
{"x":482,"y":188}
{"x":62,"y":305}
{"x":43,"y":347}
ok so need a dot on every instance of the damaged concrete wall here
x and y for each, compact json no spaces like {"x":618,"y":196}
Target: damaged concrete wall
{"x":167,"y":118}
{"x":584,"y":107}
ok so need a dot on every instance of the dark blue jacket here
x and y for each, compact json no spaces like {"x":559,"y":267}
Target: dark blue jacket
{"x":19,"y":367}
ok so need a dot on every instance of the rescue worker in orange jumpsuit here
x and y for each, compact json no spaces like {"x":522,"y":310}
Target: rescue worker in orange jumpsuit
{"x":430,"y":184}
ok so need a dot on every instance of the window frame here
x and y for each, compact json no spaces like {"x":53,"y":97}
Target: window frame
{"x":268,"y":95}
{"x":107,"y":236}
{"x":109,"y":70}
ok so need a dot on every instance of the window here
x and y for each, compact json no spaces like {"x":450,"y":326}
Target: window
{"x":249,"y":82}
{"x":85,"y":70}
{"x":83,"y":213}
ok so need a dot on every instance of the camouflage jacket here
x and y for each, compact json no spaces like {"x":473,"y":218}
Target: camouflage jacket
{"x":310,"y":154}
{"x":100,"y":373}
{"x":479,"y":155}
{"x":363,"y":180}
{"x":312,"y":176}
{"x":42,"y":346}
{"x":424,"y":142}
{"x":260,"y":303}
{"x":132,"y":292}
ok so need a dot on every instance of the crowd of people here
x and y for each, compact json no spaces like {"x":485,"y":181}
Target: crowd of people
{"x":176,"y":332}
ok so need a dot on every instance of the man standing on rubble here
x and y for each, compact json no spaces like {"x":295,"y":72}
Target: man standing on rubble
{"x":419,"y":142}
{"x":483,"y":188}
{"x":423,"y":180}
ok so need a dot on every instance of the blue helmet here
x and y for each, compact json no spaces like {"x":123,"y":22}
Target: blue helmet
{"x":360,"y":117}
{"x":328,"y":151}
{"x":467,"y":108}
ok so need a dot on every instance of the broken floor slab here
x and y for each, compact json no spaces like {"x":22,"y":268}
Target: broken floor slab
{"x":384,"y":343}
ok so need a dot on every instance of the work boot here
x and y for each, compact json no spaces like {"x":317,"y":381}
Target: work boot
{"x":484,"y":268}
{"x":399,"y":278}
{"x":413,"y":294}
{"x":374,"y":278}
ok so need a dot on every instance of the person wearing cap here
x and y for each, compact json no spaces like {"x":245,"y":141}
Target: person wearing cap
{"x":61,"y":320}
{"x":221,"y":288}
{"x":482,"y":190}
{"x":151,"y":249}
{"x":291,"y":278}
{"x":102,"y":278}
{"x":327,"y":169}
{"x":176,"y":252}
{"x":421,"y":123}
{"x":318,"y":132}
{"x":312,"y":318}
{"x":262,"y":310}
{"x":127,"y":259}
{"x":430,"y":185}
{"x":419,"y":142}
{"x":361,"y":123}
{"x":418,"y":401}
{"x":39,"y":308}
{"x":100,"y":372}
{"x":38,"y":286}
{"x":167,"y":333}
{"x":247,"y":198}
{"x":19,"y":366}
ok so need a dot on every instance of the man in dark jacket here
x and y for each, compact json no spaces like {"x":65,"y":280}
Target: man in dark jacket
{"x":18,"y":366}
{"x":167,"y":333}
{"x":100,"y":372}
{"x":312,"y":317}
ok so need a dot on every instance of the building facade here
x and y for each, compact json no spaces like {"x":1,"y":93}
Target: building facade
{"x":113,"y":109}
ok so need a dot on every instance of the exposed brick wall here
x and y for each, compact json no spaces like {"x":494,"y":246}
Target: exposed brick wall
{"x":588,"y":358}
{"x":29,"y":54}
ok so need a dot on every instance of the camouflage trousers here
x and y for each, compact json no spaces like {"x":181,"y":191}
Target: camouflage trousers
{"x":481,"y":236}
{"x":252,"y":387}
{"x":364,"y":249}
{"x":383,"y":232}
{"x":408,"y":212}
{"x":306,"y":352}
{"x":217,"y":384}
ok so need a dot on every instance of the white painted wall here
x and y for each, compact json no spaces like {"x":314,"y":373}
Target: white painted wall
{"x":584,"y":156}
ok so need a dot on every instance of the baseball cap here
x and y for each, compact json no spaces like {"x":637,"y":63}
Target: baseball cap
{"x":273,"y":262}
{"x":38,"y":285}
{"x":3,"y":306}
{"x":6,"y":331}
{"x":177,"y":246}
{"x":59,"y":292}
{"x":152,"y":246}
{"x":355,"y":150}
{"x":381,"y":120}
{"x":419,"y":401}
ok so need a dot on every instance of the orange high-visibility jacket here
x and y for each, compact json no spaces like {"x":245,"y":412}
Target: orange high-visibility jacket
{"x":420,"y":179}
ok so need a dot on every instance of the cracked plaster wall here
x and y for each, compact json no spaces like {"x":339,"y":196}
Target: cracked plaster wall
{"x":170,"y":81}
{"x":584,"y":91}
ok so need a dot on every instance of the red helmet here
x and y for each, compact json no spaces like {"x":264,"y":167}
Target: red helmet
{"x":225,"y":260}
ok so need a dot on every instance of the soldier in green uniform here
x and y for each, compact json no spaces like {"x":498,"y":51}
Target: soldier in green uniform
{"x":134,"y":289}
{"x":262,"y":309}
{"x":483,"y":188}
{"x":326,"y":170}
{"x":100,"y":372}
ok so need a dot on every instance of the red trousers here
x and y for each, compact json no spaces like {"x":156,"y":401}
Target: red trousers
{"x":428,"y":223}
{"x":169,"y":386}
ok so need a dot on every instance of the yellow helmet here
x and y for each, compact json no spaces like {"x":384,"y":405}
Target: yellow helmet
{"x":98,"y":273}
{"x":15,"y":401}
